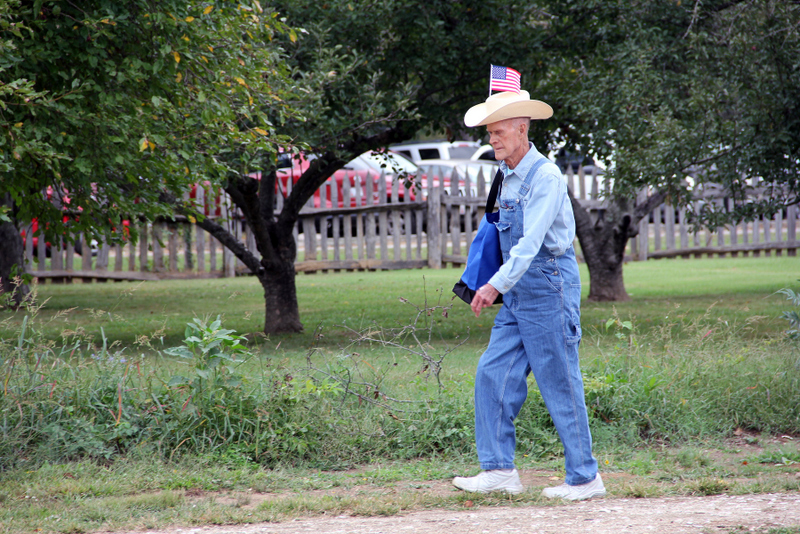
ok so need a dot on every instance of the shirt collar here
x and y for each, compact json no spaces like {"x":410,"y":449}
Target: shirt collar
{"x":524,"y":165}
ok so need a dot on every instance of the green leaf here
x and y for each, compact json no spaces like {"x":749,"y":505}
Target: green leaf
{"x":177,"y":380}
{"x":181,"y":352}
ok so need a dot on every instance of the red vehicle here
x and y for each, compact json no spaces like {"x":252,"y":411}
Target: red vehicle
{"x":394,"y":167}
{"x":354,"y":174}
{"x":216,"y":203}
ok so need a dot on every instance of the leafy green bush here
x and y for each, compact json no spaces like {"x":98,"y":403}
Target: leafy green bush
{"x":61,"y":403}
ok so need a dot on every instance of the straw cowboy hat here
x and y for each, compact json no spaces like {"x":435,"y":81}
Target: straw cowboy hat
{"x":507,"y":105}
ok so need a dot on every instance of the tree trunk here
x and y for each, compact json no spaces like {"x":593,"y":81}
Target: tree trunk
{"x":277,"y":275}
{"x":12,"y":254}
{"x":603,"y":242}
{"x":603,"y":247}
{"x":282,"y":314}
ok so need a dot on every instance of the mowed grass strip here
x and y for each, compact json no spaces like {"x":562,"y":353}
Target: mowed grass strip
{"x":737,"y":289}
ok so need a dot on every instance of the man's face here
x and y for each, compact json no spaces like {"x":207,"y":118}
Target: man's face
{"x":506,"y":138}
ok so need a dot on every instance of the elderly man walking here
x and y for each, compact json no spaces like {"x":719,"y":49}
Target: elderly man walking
{"x":538,"y":327}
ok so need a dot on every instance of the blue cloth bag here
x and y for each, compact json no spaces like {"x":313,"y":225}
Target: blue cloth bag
{"x":485,"y":257}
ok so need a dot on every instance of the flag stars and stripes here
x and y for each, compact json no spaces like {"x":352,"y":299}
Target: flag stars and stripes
{"x":504,"y":79}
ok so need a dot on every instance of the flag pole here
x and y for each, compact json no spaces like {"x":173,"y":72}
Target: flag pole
{"x":490,"y":78}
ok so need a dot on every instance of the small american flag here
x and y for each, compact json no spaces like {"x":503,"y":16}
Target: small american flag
{"x":504,"y":79}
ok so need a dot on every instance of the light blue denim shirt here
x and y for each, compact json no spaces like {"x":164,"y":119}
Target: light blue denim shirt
{"x":547,"y":213}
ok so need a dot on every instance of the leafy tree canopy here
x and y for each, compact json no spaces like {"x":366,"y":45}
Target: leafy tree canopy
{"x":112,"y":102}
{"x":411,"y":65}
{"x":668,"y":90}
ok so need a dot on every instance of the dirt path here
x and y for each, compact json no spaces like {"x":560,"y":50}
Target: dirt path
{"x":669,"y":515}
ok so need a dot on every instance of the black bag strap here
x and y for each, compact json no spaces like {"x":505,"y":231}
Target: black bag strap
{"x":494,"y":192}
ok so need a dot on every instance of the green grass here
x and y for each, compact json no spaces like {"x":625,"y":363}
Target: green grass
{"x":735,"y":289}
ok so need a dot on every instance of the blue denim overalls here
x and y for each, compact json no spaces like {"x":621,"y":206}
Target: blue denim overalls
{"x":537,"y":329}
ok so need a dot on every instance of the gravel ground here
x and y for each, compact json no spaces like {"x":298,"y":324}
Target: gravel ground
{"x":669,"y":515}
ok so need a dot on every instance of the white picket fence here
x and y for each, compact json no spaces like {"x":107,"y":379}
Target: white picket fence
{"x":386,"y":227}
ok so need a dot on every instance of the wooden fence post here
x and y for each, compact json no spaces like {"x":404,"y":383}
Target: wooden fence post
{"x":200,"y":235}
{"x":397,"y":222}
{"x":684,"y":237}
{"x":86,"y":254}
{"x":158,"y":250}
{"x":57,"y":257}
{"x":734,"y":228}
{"x":756,"y":252}
{"x":360,"y":217}
{"x":369,"y":218}
{"x":383,"y":220}
{"x":69,"y":260}
{"x":337,"y":221}
{"x":434,"y":224}
{"x":347,"y":220}
{"x":323,"y":220}
{"x":791,"y":228}
{"x":143,"y":236}
{"x":669,"y":223}
{"x":132,"y":249}
{"x":644,"y":226}
{"x":118,"y":258}
{"x":28,"y":254}
{"x":41,"y":252}
{"x":696,"y":231}
{"x":102,"y":259}
{"x":657,"y":227}
{"x":417,"y":217}
{"x":454,"y":214}
{"x":172,"y":245}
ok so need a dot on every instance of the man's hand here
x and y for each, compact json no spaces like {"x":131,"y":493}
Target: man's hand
{"x":484,"y":297}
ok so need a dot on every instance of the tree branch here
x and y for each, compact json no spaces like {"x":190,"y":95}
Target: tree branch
{"x":242,"y":191}
{"x":643,"y":210}
{"x":322,"y":168}
{"x":221,"y":234}
{"x":266,"y":194}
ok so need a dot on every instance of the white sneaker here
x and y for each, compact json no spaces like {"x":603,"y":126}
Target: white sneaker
{"x":492,"y":480}
{"x":595,"y":488}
